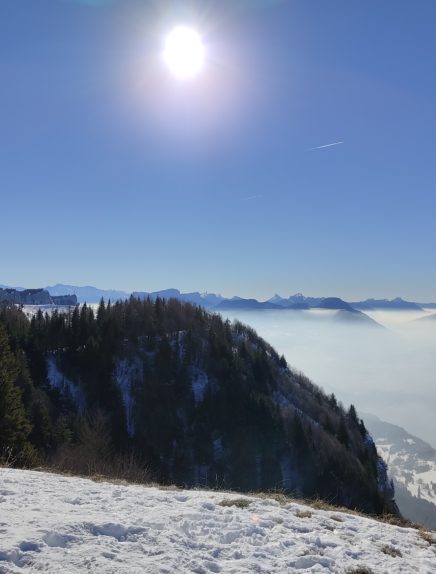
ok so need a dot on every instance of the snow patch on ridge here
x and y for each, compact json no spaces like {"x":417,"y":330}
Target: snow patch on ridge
{"x":65,"y":386}
{"x":200,"y":381}
{"x":126,"y":373}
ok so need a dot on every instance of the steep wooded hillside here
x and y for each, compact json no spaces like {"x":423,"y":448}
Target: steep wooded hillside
{"x":195,"y":399}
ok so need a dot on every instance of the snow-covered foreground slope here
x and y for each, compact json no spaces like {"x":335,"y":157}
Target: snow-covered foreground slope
{"x":52,"y":524}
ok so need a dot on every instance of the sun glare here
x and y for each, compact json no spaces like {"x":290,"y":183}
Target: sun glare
{"x":184,"y":52}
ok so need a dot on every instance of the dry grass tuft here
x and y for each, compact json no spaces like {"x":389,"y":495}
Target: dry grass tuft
{"x":427,"y":536}
{"x":359,"y":570}
{"x":277,"y":495}
{"x":396,"y":520}
{"x":320,"y":504}
{"x":391,"y":551}
{"x":303,"y":514}
{"x":238,"y":502}
{"x":119,"y":468}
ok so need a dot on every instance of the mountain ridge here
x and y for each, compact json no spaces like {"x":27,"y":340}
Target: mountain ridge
{"x":35,"y":297}
{"x":91,"y":294}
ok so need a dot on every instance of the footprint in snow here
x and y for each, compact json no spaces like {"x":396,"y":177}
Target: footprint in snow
{"x":117,"y":531}
{"x":212,"y":566}
{"x":17,"y":558}
{"x":57,"y":540}
{"x":28,"y":546}
{"x":74,"y":501}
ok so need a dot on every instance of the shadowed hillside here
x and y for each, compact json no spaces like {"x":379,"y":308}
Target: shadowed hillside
{"x":193,"y":398}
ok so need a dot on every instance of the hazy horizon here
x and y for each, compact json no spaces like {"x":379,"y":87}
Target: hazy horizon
{"x":246,"y":294}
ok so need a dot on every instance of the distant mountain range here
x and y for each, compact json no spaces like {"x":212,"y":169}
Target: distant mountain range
{"x":295,"y":303}
{"x":397,"y":304}
{"x":207,"y":300}
{"x":90,"y":294}
{"x":87,"y":294}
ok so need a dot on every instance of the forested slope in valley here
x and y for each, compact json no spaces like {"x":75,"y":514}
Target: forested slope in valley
{"x":191,"y":398}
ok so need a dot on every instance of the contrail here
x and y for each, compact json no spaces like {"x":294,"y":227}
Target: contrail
{"x":327,"y":145}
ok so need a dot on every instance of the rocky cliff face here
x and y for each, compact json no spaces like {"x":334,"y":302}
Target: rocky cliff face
{"x":34,"y":297}
{"x":64,"y":300}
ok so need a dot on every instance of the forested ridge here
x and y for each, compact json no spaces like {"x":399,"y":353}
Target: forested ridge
{"x":191,"y":398}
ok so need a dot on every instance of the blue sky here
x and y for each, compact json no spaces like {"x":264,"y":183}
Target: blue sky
{"x":115,"y":174}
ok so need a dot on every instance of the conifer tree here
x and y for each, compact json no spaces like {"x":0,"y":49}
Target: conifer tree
{"x":14,"y":425}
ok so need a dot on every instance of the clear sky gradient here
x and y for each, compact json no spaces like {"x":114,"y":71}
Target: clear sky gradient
{"x":116,"y":174}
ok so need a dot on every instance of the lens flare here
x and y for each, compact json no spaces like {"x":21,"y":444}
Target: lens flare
{"x":184,"y":52}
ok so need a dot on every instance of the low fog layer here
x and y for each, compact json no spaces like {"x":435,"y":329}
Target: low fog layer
{"x":388,"y":371}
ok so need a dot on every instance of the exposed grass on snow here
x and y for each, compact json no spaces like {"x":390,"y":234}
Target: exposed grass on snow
{"x":238,"y":502}
{"x":359,"y":570}
{"x":303,"y":514}
{"x":392,"y":551}
{"x":319,"y":504}
{"x":427,"y":536}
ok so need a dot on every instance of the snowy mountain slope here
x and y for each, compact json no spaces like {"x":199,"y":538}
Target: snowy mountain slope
{"x":298,"y":299}
{"x":412,"y":465}
{"x":51,"y":524}
{"x":238,"y":303}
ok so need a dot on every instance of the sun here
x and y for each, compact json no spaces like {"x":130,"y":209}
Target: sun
{"x":184,"y":52}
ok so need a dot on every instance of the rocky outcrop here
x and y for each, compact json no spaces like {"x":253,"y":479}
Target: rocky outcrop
{"x":34,"y":297}
{"x":64,"y":299}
